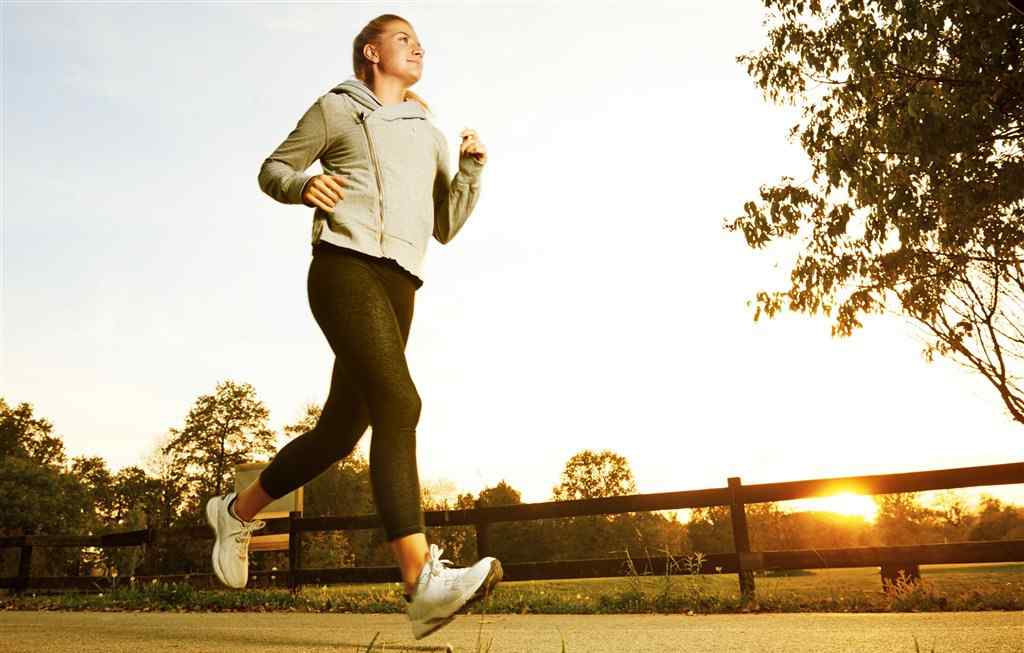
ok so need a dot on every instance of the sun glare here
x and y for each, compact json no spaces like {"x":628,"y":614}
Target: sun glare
{"x":857,"y":505}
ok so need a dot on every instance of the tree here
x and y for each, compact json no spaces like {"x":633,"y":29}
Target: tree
{"x":133,"y":491}
{"x":221,"y":430}
{"x":40,"y":499}
{"x":770,"y":528}
{"x":913,"y":127}
{"x":954,"y":517}
{"x":44,"y":500}
{"x":37,"y":493}
{"x":997,"y":522}
{"x":458,"y":542}
{"x":594,"y":474}
{"x":167,"y":503}
{"x":502,"y":494}
{"x":306,"y":422}
{"x":25,"y":436}
{"x":902,"y":520}
{"x":822,"y":529}
{"x":170,"y":488}
{"x":513,"y":541}
{"x":710,"y":529}
{"x":591,"y":475}
{"x":93,"y":474}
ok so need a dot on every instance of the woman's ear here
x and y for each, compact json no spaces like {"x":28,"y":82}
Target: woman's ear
{"x":369,"y":54}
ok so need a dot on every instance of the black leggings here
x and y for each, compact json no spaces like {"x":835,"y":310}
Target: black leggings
{"x":364,"y":306}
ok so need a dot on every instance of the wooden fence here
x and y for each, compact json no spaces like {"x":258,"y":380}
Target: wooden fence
{"x":743,"y":561}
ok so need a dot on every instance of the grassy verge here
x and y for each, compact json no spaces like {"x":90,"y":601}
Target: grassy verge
{"x":942,"y":588}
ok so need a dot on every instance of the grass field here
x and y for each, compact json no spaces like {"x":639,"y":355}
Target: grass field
{"x":942,"y":588}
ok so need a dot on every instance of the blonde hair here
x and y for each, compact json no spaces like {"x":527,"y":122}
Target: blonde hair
{"x":363,"y":67}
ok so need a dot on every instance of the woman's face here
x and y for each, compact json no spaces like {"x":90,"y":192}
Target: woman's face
{"x":400,"y":52}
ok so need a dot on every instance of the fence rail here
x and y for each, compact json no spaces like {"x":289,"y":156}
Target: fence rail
{"x":743,"y":561}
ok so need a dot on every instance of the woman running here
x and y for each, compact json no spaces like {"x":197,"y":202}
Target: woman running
{"x":384,"y":192}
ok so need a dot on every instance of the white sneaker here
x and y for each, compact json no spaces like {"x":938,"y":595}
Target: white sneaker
{"x":231,"y":541}
{"x":441,"y":592}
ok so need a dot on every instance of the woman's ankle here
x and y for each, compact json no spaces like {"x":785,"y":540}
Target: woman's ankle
{"x":233,"y":510}
{"x":411,"y":553}
{"x":412,"y":582}
{"x":249,"y":502}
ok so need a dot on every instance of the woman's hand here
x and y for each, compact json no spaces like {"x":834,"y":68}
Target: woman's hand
{"x":472,"y":146}
{"x":324,"y":191}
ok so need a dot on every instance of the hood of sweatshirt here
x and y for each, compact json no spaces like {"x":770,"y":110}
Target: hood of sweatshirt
{"x":363,"y":96}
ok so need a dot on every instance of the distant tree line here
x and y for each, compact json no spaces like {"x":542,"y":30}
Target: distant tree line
{"x":43,"y":492}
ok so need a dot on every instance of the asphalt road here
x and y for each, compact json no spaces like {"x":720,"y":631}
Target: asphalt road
{"x":115,"y":632}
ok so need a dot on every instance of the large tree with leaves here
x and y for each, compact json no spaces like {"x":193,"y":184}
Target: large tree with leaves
{"x":913,"y":121}
{"x":37,"y":493}
{"x":515,"y":541}
{"x":222,"y":430}
{"x":594,"y":474}
{"x":23,"y":435}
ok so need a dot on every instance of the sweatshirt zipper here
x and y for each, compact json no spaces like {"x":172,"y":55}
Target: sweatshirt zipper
{"x":376,"y":172}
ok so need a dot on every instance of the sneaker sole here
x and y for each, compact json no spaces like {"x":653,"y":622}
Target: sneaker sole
{"x":494,"y":576}
{"x":211,"y":520}
{"x":432,"y":626}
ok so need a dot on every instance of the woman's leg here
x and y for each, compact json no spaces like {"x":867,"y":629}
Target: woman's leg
{"x":342,"y":423}
{"x":365,"y":310}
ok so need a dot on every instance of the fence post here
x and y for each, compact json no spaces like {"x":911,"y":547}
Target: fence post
{"x":483,"y":545}
{"x":294,"y":550}
{"x":740,"y":537}
{"x":891,"y":572}
{"x":24,"y":565}
{"x":147,"y":548}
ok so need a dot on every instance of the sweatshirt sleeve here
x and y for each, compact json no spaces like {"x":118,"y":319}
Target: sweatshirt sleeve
{"x":283,"y":173}
{"x":454,"y":199}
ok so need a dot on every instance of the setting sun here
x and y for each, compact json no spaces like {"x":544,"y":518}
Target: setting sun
{"x":847,"y":503}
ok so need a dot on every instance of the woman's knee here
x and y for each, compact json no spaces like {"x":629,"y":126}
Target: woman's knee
{"x":399,"y":406}
{"x":409,"y":406}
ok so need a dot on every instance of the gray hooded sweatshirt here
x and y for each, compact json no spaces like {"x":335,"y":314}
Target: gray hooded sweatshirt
{"x":397,"y":190}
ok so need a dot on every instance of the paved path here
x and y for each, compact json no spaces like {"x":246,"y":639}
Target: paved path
{"x":116,"y":632}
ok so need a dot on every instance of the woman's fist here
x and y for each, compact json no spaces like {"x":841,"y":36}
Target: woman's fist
{"x":324,"y":191}
{"x":472,"y":146}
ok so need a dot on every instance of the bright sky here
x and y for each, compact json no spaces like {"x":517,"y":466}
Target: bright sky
{"x":593,"y":299}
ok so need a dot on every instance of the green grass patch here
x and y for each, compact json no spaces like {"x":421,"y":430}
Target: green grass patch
{"x":942,"y":588}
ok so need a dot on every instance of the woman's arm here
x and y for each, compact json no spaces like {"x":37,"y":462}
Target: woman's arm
{"x":283,"y":173}
{"x":454,"y":199}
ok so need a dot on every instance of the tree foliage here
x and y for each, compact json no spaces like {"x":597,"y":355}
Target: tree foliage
{"x":502,"y":494}
{"x":84,"y":496}
{"x":912,"y":120}
{"x":996,"y":521}
{"x":39,"y":499}
{"x":900,"y":518}
{"x":595,"y":474}
{"x":38,"y":494}
{"x":24,"y":436}
{"x":223,"y":429}
{"x":710,"y":529}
